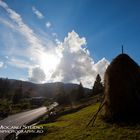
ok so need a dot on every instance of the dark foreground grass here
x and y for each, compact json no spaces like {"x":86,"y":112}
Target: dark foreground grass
{"x":73,"y":127}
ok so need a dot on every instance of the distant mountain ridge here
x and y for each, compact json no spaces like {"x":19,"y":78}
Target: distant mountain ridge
{"x":46,"y":89}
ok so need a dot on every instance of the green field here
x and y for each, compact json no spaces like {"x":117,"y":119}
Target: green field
{"x":73,"y":127}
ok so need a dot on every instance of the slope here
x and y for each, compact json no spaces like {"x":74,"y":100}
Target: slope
{"x":73,"y":127}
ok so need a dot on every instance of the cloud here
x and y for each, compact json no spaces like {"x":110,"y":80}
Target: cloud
{"x":54,"y":34}
{"x":48,"y":24}
{"x":5,"y":22}
{"x":1,"y":64}
{"x":19,"y":63}
{"x":101,"y":66}
{"x":58,"y":42}
{"x":37,"y":75}
{"x":37,"y":13}
{"x":23,"y":29}
{"x":76,"y":65}
{"x":34,"y":42}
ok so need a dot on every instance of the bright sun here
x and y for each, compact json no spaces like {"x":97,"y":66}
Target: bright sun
{"x":49,"y":62}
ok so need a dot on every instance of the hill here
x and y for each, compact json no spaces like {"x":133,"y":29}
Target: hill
{"x":48,"y":90}
{"x":73,"y":127}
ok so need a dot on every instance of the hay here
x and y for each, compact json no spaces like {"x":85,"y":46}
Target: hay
{"x":122,"y":89}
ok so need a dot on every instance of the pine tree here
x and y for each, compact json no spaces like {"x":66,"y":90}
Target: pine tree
{"x":98,"y":86}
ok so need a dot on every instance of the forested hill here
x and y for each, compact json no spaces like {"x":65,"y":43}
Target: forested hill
{"x":46,"y":90}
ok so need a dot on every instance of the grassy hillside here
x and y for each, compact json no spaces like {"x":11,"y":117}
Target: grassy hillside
{"x":73,"y":127}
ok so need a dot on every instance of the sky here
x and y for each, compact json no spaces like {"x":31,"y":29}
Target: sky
{"x":69,"y":41}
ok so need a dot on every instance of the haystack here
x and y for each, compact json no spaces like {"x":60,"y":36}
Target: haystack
{"x":122,"y":89}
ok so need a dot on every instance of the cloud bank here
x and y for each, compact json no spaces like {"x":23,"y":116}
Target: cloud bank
{"x":76,"y":65}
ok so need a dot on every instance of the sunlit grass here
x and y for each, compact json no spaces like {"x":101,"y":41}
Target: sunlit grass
{"x":73,"y":127}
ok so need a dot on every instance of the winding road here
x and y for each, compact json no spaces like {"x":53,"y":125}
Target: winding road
{"x":20,"y":119}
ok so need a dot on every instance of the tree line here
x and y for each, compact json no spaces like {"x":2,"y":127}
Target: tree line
{"x":78,"y":94}
{"x":75,"y":95}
